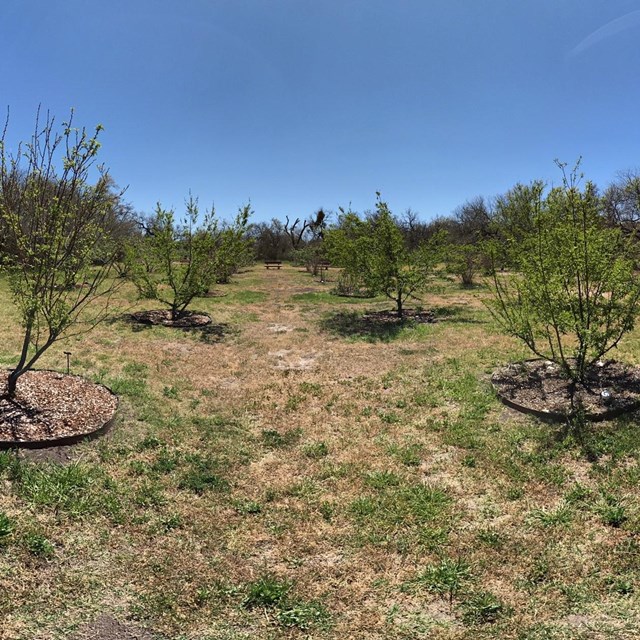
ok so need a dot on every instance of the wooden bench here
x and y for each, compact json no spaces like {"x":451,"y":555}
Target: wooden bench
{"x":275,"y":264}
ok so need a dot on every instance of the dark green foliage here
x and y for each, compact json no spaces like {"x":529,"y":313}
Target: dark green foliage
{"x":612,"y":510}
{"x":7,"y":460}
{"x":409,"y":455}
{"x":491,"y":538}
{"x":382,"y":479}
{"x":133,"y":387}
{"x":166,"y":462}
{"x":303,"y":615}
{"x":248,"y":507}
{"x":149,"y":494}
{"x":316,"y":450}
{"x":401,"y":505}
{"x":77,"y":489}
{"x":447,"y":578}
{"x":149,"y":442}
{"x":269,"y":592}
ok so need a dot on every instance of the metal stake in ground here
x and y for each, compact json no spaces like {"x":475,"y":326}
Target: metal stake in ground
{"x":68,"y":354}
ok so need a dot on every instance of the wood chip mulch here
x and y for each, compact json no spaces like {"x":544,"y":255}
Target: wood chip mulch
{"x":50,"y":406}
{"x":538,"y":386}
{"x":163,"y":317}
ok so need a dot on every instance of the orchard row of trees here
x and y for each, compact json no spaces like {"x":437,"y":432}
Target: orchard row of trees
{"x":66,"y":233}
{"x":468,"y":231}
{"x":64,"y":228}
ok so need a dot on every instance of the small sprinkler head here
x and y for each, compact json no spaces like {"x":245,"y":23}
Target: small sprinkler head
{"x":68,"y":354}
{"x":606,"y":397}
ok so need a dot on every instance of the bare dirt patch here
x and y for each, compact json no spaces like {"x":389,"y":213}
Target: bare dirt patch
{"x":280,"y":328}
{"x":289,"y":360}
{"x":63,"y":454}
{"x":53,"y":408}
{"x":540,"y":388}
{"x":106,"y":627}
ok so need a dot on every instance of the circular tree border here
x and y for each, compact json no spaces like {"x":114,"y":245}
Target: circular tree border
{"x":555,"y":416}
{"x":6,"y":445}
{"x":145,"y":317}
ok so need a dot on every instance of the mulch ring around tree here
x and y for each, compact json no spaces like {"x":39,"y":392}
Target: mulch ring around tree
{"x":187,"y":319}
{"x":52,"y":409}
{"x":538,"y":387}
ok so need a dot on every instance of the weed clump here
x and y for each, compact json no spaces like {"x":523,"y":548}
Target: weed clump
{"x":271,"y":593}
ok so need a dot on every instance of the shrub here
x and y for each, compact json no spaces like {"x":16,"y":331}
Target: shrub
{"x":174,"y":262}
{"x":574,"y":294}
{"x":375,"y":259}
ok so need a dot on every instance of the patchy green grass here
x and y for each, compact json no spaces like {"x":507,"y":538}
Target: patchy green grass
{"x":298,"y":473}
{"x":230,"y":296}
{"x":325,"y":297}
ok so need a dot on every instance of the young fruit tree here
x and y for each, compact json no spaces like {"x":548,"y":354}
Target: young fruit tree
{"x":573,"y":294}
{"x":174,"y":263}
{"x":346,"y":245}
{"x":392,"y":270}
{"x":233,"y":247}
{"x":376,"y":251}
{"x":58,"y":253}
{"x":465,"y":261}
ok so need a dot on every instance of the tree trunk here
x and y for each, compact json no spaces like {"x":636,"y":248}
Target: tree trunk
{"x":23,"y":366}
{"x":12,"y":382}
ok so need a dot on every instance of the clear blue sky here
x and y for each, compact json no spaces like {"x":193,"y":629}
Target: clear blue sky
{"x":298,"y":104}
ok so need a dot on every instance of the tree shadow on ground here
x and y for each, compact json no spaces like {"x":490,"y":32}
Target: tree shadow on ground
{"x":209,"y":334}
{"x":615,"y":439}
{"x":611,"y":440}
{"x":374,"y":326}
{"x":353,"y":324}
{"x":456,"y":314}
{"x":385,"y":326}
{"x":212,"y":333}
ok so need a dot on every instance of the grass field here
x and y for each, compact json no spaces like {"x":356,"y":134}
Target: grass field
{"x":295,"y":473}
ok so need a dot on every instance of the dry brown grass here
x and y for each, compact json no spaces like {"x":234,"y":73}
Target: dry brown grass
{"x":329,"y":447}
